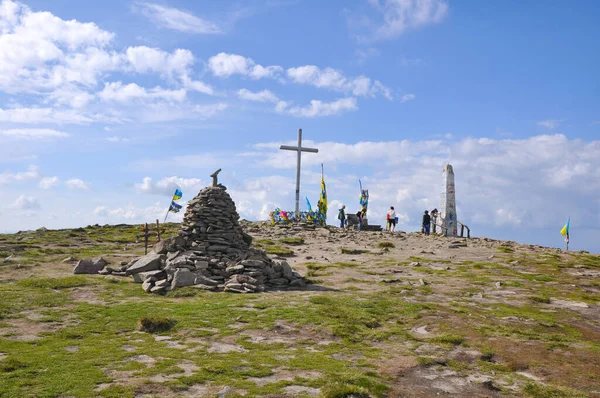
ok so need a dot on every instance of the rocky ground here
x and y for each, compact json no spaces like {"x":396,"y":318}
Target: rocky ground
{"x":390,"y":315}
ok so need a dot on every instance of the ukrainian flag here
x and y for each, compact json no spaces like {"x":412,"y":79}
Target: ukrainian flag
{"x":174,"y":207}
{"x":322,"y":204}
{"x":565,"y":230}
{"x":177,"y":195}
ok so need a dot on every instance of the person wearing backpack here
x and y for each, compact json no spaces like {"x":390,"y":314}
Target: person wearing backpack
{"x":342,"y":216}
{"x":391,"y":216}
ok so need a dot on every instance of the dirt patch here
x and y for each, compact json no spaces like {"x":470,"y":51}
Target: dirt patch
{"x":86,"y":295}
{"x":217,"y":347}
{"x":145,"y":359}
{"x":313,"y":392}
{"x":22,"y":329}
{"x":284,"y":375}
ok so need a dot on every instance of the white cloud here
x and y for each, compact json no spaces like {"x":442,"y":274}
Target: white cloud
{"x":196,"y":85}
{"x":36,"y":48}
{"x":32,"y":173}
{"x":42,"y":115}
{"x":261,"y":96}
{"x":48,"y":182}
{"x":32,"y":134}
{"x":125,"y":93}
{"x":26,"y":203}
{"x":167,"y":186}
{"x":225,"y":65}
{"x":319,"y":108}
{"x":398,"y":16}
{"x":208,"y":111}
{"x":144,"y":59}
{"x":117,"y":139}
{"x":75,"y":183}
{"x":408,"y":97}
{"x":134,"y":214}
{"x":175,"y":19}
{"x":549,"y":124}
{"x":335,"y":80}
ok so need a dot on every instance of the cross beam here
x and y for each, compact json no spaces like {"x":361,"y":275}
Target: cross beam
{"x":299,"y":149}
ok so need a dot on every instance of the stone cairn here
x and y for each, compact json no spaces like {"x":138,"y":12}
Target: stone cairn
{"x":211,"y":252}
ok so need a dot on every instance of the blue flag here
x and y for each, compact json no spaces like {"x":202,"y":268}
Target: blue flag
{"x":177,"y":195}
{"x":174,"y":207}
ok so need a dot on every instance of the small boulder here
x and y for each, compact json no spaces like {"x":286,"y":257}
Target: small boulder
{"x":89,"y":266}
{"x":183,"y":277}
{"x":162,"y":246}
{"x":150,"y":262}
{"x":142,"y":276}
{"x":286,"y":270}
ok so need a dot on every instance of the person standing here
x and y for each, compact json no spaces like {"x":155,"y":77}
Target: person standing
{"x":342,"y":216}
{"x":426,"y":222}
{"x":434,"y":214}
{"x":391,"y":216}
{"x":359,"y":216}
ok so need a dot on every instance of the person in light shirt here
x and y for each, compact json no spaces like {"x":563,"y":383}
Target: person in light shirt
{"x":391,"y":215}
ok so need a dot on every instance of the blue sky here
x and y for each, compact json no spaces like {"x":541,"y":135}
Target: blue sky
{"x":105,"y":110}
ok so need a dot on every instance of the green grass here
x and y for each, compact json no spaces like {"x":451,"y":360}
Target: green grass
{"x":540,"y":299}
{"x":535,"y":390}
{"x":453,"y":339}
{"x":292,"y":241}
{"x":57,"y":283}
{"x":361,"y":326}
{"x":386,"y":245}
{"x":279,"y":250}
{"x":504,"y":249}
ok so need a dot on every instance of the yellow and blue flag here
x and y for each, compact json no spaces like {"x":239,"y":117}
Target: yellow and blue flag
{"x":174,"y":208}
{"x":177,"y":195}
{"x":565,"y":230}
{"x":322,"y":204}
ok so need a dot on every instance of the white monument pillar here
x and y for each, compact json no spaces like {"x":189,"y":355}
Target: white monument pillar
{"x":447,"y":209}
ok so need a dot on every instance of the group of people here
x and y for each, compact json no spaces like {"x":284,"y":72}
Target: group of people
{"x":392,"y":219}
{"x":359,"y":215}
{"x":429,"y":219}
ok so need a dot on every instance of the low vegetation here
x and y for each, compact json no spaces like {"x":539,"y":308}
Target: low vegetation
{"x":373,"y":326}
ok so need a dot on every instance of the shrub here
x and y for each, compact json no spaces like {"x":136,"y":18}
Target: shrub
{"x":155,"y":324}
{"x":386,"y":245}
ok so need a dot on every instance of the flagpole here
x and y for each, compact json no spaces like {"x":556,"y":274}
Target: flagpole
{"x":568,"y":233}
{"x":167,"y":215}
{"x":169,"y":209}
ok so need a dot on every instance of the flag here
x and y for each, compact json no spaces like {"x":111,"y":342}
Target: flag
{"x":308,"y":204}
{"x":565,"y":230}
{"x":177,"y":195}
{"x":363,"y":198}
{"x":323,"y":201}
{"x":174,"y":208}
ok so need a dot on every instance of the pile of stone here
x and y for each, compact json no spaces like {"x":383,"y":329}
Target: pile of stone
{"x":212,"y":252}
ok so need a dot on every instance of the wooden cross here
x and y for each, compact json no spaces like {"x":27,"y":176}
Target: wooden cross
{"x":214,"y":177}
{"x":299,"y":149}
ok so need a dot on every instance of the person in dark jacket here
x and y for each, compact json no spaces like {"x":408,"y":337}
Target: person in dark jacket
{"x":359,"y":216}
{"x":342,"y":216}
{"x":426,"y":222}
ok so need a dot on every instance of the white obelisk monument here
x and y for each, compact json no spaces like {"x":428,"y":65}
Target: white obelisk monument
{"x":448,"y":203}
